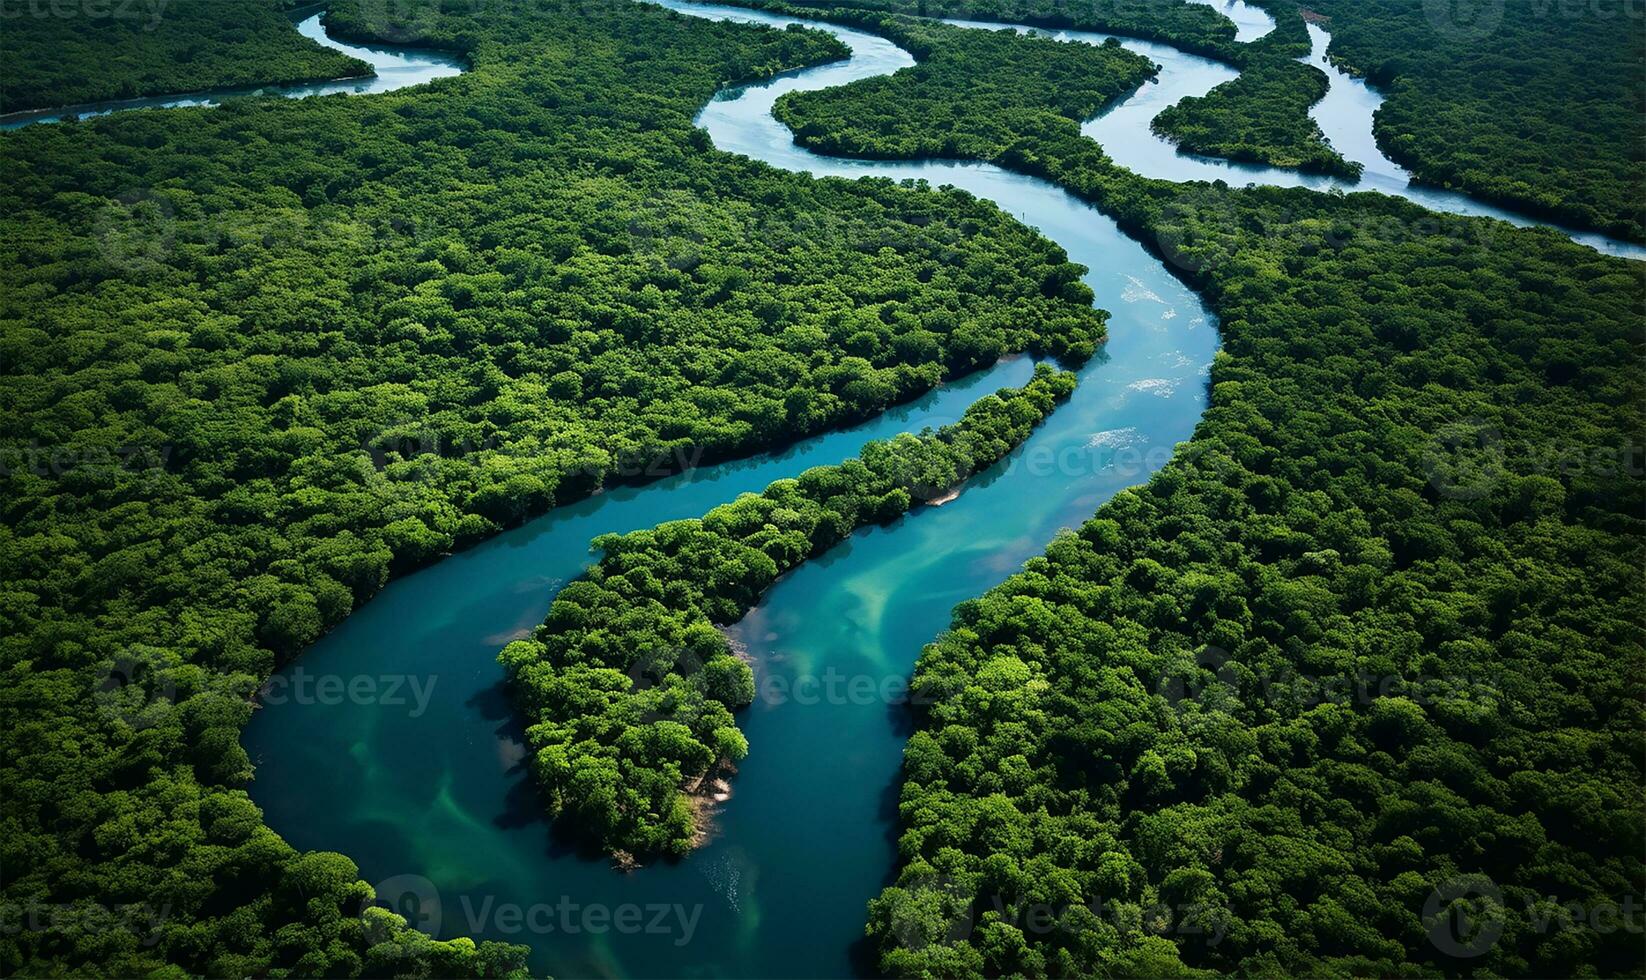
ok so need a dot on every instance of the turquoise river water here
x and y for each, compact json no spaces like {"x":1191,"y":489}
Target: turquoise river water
{"x":424,"y":788}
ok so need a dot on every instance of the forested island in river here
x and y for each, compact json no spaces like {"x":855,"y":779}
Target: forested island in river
{"x":858,"y":487}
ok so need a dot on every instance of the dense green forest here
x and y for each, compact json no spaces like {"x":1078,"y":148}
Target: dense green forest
{"x":65,"y":54}
{"x":260,"y":358}
{"x":1191,"y":26}
{"x":964,"y":111}
{"x":629,"y":686}
{"x":1536,"y":105}
{"x":1260,"y":117}
{"x":1369,"y":647}
{"x":1367,"y":651}
{"x":1367,"y":654}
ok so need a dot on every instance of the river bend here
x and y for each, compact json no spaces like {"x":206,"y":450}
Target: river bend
{"x":425,"y":790}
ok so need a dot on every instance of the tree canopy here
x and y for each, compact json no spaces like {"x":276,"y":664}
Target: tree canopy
{"x":60,"y":54}
{"x":629,"y":686}
{"x":257,"y":359}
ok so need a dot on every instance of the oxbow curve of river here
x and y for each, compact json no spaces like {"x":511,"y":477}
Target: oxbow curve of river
{"x":412,"y":767}
{"x":428,"y":795}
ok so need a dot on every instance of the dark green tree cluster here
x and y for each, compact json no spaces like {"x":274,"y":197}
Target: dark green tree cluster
{"x":943,"y":107}
{"x":1532,"y":105}
{"x":962,"y":112}
{"x":1538,"y":105}
{"x":1263,"y":115}
{"x":1260,"y":117}
{"x":1190,"y":26}
{"x":59,"y":54}
{"x":255,"y":360}
{"x":628,"y":685}
{"x":1354,"y":685}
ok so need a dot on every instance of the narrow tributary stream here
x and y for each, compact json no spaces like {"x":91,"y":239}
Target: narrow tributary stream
{"x":423,"y":788}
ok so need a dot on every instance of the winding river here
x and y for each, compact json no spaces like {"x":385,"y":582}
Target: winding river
{"x":1344,"y":115}
{"x":394,"y":67}
{"x":437,"y":804}
{"x":421,"y":785}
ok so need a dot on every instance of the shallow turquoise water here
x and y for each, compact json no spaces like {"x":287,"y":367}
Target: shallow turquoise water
{"x":435,"y":804}
{"x":422,"y":787}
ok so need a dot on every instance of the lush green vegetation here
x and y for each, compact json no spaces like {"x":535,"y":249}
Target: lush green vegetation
{"x":1260,"y":117}
{"x":1532,"y":105}
{"x":1366,"y":654}
{"x":260,"y":358}
{"x":1372,"y":644}
{"x":963,"y":111}
{"x":1536,"y":105}
{"x":629,"y":686}
{"x":1263,"y":115}
{"x":120,"y":50}
{"x":1193,"y":27}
